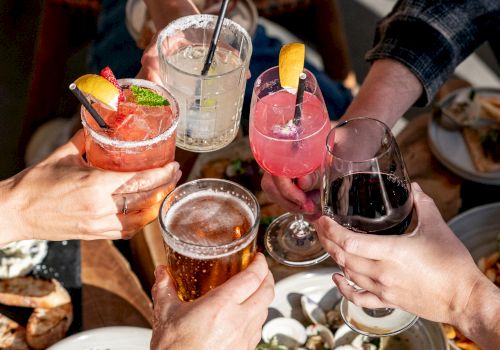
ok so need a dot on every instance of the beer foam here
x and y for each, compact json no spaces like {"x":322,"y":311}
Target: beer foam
{"x":208,"y":218}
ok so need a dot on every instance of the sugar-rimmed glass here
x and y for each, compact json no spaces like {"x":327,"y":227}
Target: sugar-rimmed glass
{"x":148,"y":142}
{"x":210,"y":105}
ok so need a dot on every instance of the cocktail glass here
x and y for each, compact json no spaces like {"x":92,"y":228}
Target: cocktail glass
{"x":209,"y":227}
{"x":283,"y":148}
{"x":210,"y":105}
{"x":140,"y":137}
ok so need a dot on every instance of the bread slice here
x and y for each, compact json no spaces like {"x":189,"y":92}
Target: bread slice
{"x":481,"y":161}
{"x":33,"y":292}
{"x":48,"y":326}
{"x":490,"y":107}
{"x":12,"y":335}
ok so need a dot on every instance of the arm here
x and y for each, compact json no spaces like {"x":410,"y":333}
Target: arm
{"x":164,"y":12}
{"x":389,"y":89}
{"x":481,"y":319}
{"x":7,"y":215}
{"x":63,"y":198}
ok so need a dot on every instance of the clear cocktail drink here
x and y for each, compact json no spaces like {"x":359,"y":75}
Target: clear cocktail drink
{"x":209,"y":227}
{"x":279,"y":146}
{"x":210,"y":105}
{"x":140,"y":137}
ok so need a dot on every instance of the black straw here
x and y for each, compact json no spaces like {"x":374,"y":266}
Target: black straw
{"x":83,"y":100}
{"x":215,"y":38}
{"x":300,"y":97}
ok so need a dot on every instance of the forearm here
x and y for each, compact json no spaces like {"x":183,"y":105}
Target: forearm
{"x":8,"y":219}
{"x":481,"y":320}
{"x":388,"y":91}
{"x":164,"y":12}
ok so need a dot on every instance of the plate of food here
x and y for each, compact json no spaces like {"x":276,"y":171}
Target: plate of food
{"x":304,"y":315}
{"x":479,"y":230}
{"x":40,"y":293}
{"x":464,"y":134}
{"x":107,"y":338}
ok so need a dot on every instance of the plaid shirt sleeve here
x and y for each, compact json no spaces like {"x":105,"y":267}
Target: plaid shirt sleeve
{"x":431,"y":37}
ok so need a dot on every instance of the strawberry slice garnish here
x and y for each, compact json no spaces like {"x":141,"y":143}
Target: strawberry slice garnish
{"x":107,"y":73}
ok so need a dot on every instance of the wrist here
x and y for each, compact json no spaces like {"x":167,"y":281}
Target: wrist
{"x":481,"y":314}
{"x":8,"y":217}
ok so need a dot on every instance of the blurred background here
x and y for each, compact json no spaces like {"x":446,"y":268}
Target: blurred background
{"x":29,"y":96}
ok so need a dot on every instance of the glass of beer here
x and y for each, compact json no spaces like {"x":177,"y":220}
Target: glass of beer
{"x":209,"y":227}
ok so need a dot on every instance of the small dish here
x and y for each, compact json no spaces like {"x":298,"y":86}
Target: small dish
{"x":449,"y":147}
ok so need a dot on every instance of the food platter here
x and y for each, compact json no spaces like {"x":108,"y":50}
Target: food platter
{"x":450,"y":148}
{"x":318,"y":286}
{"x":107,"y":338}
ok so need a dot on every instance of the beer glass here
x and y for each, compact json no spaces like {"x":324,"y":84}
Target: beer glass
{"x":209,"y":228}
{"x":210,"y":104}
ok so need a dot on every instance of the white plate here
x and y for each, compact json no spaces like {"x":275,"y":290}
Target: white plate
{"x":478,"y":229}
{"x":450,"y":148}
{"x":318,"y":285}
{"x":107,"y":338}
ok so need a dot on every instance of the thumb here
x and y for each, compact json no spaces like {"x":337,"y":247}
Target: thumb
{"x":163,"y":292}
{"x":242,"y":285}
{"x":427,"y":211}
{"x":310,"y":181}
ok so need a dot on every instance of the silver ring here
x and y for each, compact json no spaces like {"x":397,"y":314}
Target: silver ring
{"x":125,"y":206}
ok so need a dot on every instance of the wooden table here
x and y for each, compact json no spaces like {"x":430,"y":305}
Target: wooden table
{"x":112,"y":294}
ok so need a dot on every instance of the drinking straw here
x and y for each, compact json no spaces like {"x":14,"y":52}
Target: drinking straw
{"x":83,"y":100}
{"x":299,"y":98}
{"x":215,"y":38}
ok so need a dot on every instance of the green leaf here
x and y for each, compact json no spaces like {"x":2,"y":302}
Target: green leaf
{"x":146,"y":97}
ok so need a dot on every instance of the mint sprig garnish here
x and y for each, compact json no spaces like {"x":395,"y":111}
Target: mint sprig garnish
{"x":146,"y":97}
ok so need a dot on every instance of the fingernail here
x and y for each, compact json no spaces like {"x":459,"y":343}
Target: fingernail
{"x":178,"y":175}
{"x":159,"y":271}
{"x":175,"y":166}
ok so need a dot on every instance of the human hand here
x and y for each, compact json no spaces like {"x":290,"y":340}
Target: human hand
{"x":296,"y":196}
{"x":228,"y":317}
{"x":63,"y":198}
{"x":150,"y":61}
{"x":419,"y":272}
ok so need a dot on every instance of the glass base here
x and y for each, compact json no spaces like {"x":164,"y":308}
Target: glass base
{"x":293,"y":241}
{"x":375,"y":322}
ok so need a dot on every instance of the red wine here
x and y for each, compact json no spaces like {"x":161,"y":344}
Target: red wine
{"x":374,"y":203}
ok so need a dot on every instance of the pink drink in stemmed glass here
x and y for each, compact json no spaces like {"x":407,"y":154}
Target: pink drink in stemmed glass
{"x":284,"y":147}
{"x":280,"y":147}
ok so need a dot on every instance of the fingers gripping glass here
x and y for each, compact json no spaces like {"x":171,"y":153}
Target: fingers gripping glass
{"x":366,"y":188}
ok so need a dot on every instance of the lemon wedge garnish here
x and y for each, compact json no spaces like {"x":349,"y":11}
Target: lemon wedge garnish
{"x":291,"y":64}
{"x":100,"y":89}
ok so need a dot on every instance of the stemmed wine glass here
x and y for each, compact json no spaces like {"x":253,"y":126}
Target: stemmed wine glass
{"x":285,"y":145}
{"x":365,"y":187}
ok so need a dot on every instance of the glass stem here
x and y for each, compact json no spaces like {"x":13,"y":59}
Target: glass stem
{"x":300,"y":228}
